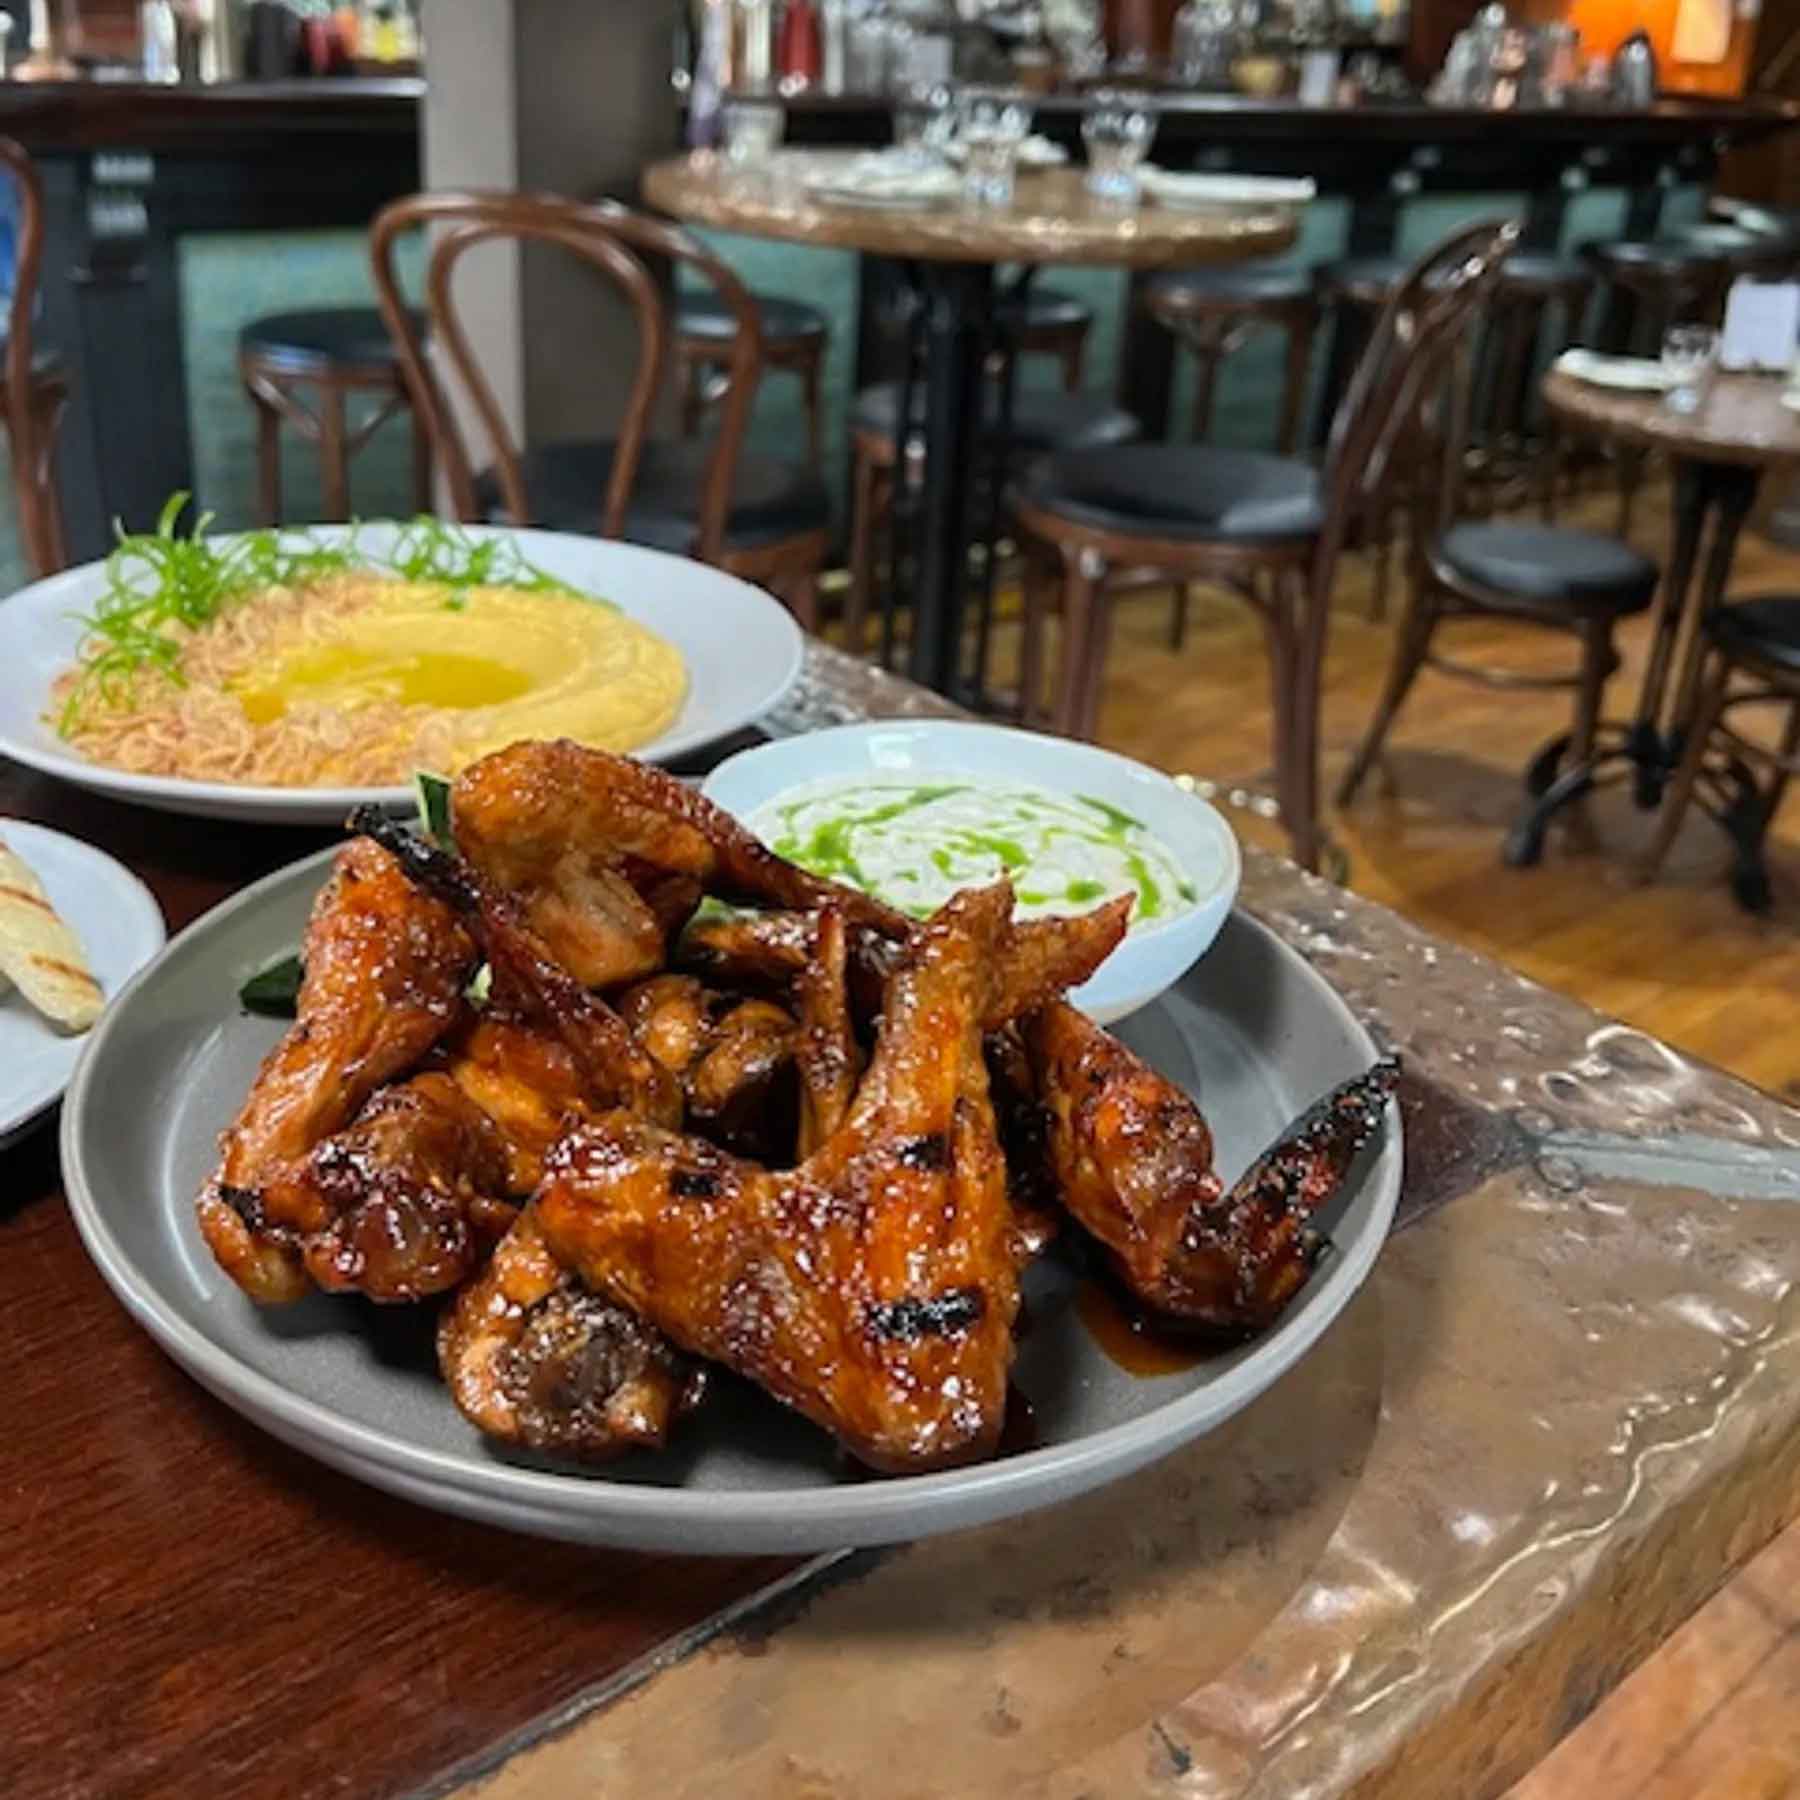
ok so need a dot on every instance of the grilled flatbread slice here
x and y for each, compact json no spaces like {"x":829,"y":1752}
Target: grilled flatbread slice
{"x":39,"y":953}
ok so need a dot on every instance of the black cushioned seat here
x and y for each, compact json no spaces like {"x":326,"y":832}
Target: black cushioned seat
{"x":782,"y":321}
{"x":322,"y":338}
{"x":1766,"y":629}
{"x":1181,"y":491}
{"x":1365,"y":271}
{"x":1041,"y":421}
{"x":1541,"y":268}
{"x":1665,"y":255}
{"x":1249,"y":282}
{"x":771,"y":499}
{"x":1050,"y":309}
{"x":1583,"y":571}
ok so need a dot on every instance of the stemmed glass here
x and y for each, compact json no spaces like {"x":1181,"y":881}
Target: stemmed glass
{"x":992,"y":125}
{"x":1688,"y":354}
{"x":924,"y":123}
{"x":1118,"y":129}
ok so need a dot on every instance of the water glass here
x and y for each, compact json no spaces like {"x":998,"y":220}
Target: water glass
{"x":924,"y":122}
{"x":753,"y":130}
{"x":1688,"y":354}
{"x":1118,"y":130}
{"x":992,"y":125}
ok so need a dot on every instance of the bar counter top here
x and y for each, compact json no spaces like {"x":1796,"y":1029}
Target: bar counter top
{"x":51,"y":116}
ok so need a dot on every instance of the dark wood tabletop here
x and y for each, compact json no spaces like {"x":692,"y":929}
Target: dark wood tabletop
{"x":185,"y":1604}
{"x":1740,"y":419}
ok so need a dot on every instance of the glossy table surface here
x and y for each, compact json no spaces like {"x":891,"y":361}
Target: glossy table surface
{"x":1566,"y":1406}
{"x":1053,"y":219}
{"x":1740,"y":418}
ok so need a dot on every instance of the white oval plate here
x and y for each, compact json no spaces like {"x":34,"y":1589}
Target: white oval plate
{"x":120,"y":926}
{"x":742,"y":647}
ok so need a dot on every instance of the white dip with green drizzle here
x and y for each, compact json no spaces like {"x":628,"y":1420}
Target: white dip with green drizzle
{"x":915,"y":840}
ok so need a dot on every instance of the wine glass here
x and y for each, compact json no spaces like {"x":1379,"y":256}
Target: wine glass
{"x":992,"y":125}
{"x":1118,"y":129}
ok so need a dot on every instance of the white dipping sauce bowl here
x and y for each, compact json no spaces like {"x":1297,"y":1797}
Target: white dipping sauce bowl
{"x":1153,"y":957}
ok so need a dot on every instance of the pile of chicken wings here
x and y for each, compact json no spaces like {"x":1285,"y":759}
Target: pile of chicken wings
{"x":634,"y":1097}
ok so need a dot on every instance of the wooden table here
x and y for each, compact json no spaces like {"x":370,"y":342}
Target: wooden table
{"x":1567,"y":1405}
{"x":950,"y":254}
{"x":1719,"y":454}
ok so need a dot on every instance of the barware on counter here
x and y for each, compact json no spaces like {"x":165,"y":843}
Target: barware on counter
{"x":1634,"y":72}
{"x":753,"y":130}
{"x":924,"y":121}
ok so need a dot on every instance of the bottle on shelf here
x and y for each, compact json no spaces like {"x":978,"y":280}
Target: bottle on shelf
{"x":800,"y":57}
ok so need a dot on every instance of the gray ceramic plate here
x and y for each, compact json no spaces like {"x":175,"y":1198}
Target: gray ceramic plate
{"x":1253,"y":1030}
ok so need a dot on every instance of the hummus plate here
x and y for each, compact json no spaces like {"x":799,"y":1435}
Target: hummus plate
{"x":740,"y":647}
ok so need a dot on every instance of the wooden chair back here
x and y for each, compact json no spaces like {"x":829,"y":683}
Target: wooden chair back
{"x":29,"y":431}
{"x":1410,"y":365}
{"x":638,"y":256}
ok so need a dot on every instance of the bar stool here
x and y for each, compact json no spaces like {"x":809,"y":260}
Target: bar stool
{"x":1649,"y":285}
{"x":326,"y":354}
{"x":1754,"y":660}
{"x":1534,"y":286}
{"x":1057,"y":324}
{"x":1215,"y":312}
{"x":1041,"y":422}
{"x":34,"y":384}
{"x":794,"y":335}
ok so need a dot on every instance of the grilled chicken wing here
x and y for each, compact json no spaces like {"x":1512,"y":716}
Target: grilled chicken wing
{"x":411,"y":1188}
{"x":1133,"y":1157}
{"x":1035,"y":960}
{"x":607,"y":856}
{"x":525,"y":1080}
{"x":874,"y":1288}
{"x":826,"y":1047}
{"x":532,"y":1357}
{"x":385,"y":969}
{"x":529,"y":981}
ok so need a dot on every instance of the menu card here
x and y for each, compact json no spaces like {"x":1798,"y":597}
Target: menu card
{"x":1762,"y":325}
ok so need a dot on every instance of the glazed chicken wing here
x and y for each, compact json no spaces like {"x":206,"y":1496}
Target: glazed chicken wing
{"x":874,"y":1288}
{"x":535,"y":1358}
{"x":603,"y":852}
{"x":1133,"y":1157}
{"x":385,"y":969}
{"x":412,"y":1190}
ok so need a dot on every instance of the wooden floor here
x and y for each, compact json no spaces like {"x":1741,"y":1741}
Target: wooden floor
{"x":1717,"y":1711}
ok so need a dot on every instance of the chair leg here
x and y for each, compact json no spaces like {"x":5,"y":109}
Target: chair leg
{"x":1293,"y":390}
{"x":1178,"y":615}
{"x":1680,"y":795}
{"x":423,"y":498}
{"x":1084,"y":577}
{"x":1206,"y":366}
{"x":1038,"y":588}
{"x":800,"y":593}
{"x":1300,"y":616}
{"x":810,"y":372}
{"x":268,"y":461}
{"x":1631,"y":477}
{"x":1074,"y":360}
{"x":865,"y":485}
{"x":1381,"y":560}
{"x":48,"y":410}
{"x":1790,"y":750}
{"x":1412,"y":644}
{"x":334,"y":451}
{"x":690,"y":385}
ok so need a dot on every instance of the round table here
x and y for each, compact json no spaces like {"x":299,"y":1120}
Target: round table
{"x":950,"y":254}
{"x":1719,"y":454}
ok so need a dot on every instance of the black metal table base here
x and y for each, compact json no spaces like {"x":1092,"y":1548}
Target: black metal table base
{"x":1711,"y":503}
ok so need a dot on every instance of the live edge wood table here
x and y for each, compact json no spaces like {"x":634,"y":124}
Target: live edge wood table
{"x":1565,"y":1408}
{"x":950,"y":256}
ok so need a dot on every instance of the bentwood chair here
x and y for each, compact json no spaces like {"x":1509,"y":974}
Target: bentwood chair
{"x":1581,"y":583}
{"x":795,"y":337}
{"x":1753,"y":659}
{"x":763,"y":518}
{"x":36,"y":381}
{"x":1270,"y":527}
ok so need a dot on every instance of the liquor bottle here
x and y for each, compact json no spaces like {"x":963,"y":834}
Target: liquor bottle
{"x":800,"y":58}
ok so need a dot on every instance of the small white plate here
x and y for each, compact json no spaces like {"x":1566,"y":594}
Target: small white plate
{"x":1173,"y":187}
{"x":1151,"y":959}
{"x":886,"y":183}
{"x":742,"y":648}
{"x":1626,"y":374}
{"x":121,"y":928}
{"x":1034,"y":153}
